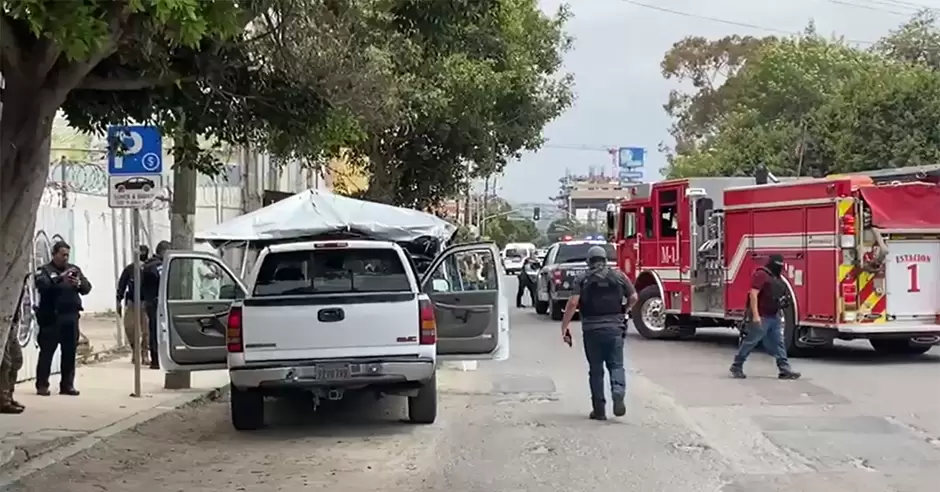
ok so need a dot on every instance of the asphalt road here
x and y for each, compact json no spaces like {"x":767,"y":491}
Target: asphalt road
{"x":855,"y":422}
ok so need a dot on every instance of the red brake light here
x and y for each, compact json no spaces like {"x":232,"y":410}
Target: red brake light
{"x":427,"y":324}
{"x":848,"y":225}
{"x":233,"y":333}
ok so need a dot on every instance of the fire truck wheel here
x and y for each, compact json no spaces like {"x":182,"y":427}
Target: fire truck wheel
{"x":791,"y":335}
{"x":541,"y":307}
{"x":649,"y":316}
{"x":897,"y":346}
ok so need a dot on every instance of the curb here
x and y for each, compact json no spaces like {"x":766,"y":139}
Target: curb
{"x":45,"y":460}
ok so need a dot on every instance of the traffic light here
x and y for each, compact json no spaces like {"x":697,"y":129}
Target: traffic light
{"x":536,"y":213}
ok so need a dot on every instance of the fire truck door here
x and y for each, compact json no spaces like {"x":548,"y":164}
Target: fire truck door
{"x":628,"y":248}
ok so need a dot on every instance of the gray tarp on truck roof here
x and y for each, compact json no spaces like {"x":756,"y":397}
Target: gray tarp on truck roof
{"x":314,"y":213}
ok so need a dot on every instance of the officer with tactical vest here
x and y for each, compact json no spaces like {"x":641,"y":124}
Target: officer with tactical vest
{"x":603,"y":295}
{"x":768,"y":295}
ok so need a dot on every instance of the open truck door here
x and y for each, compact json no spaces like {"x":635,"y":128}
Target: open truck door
{"x":196,"y":293}
{"x":628,"y":248}
{"x":472,"y":313}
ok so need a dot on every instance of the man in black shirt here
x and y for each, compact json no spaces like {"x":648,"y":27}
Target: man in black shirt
{"x":149,"y":293}
{"x":61,"y":285}
{"x":131,"y":311}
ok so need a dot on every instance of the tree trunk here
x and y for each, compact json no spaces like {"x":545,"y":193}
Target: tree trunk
{"x":25,"y":133}
{"x":383,"y":180}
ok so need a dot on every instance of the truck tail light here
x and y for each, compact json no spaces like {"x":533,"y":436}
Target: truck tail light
{"x":427,"y":325}
{"x":848,"y":230}
{"x":233,"y":332}
{"x":556,"y":276}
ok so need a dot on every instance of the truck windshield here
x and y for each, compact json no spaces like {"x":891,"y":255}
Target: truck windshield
{"x":331,"y":271}
{"x":573,"y":253}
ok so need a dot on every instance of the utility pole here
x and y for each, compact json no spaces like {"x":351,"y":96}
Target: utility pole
{"x":485,"y":208}
{"x":182,"y":219}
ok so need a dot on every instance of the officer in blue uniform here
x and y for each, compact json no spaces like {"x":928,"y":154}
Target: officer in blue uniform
{"x":61,"y":285}
{"x":603,"y":295}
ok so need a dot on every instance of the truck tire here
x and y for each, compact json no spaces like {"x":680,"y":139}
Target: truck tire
{"x":541,"y":307}
{"x":652,"y":325}
{"x":895,"y":346}
{"x":791,"y":335}
{"x":558,"y":310}
{"x":247,"y":409}
{"x":422,"y":408}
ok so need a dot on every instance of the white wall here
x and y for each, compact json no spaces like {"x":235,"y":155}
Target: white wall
{"x":101,"y":238}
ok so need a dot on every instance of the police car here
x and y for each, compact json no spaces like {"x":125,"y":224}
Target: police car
{"x":563,"y":262}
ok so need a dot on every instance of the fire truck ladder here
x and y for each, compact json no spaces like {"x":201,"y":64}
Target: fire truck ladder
{"x":930,"y":174}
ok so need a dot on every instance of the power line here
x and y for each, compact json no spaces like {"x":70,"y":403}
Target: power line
{"x":724,"y":21}
{"x":870,"y":7}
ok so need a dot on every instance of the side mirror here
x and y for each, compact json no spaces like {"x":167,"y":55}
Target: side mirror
{"x":440,"y":285}
{"x":702,"y":206}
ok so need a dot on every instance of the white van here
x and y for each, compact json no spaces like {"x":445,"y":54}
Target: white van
{"x":514,"y":254}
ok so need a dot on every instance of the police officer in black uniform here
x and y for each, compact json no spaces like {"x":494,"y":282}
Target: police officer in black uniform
{"x":61,"y":285}
{"x":149,"y":292}
{"x":526,"y":278}
{"x":603,"y":295}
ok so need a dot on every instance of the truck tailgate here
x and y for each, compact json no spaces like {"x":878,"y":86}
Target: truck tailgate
{"x":332,"y":325}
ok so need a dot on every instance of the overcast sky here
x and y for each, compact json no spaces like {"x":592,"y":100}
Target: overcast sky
{"x":620,"y":90}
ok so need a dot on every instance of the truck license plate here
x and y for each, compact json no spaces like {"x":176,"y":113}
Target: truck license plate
{"x":332,"y":372}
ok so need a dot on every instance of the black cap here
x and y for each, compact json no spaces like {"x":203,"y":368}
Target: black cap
{"x":775,"y":259}
{"x":162,"y":246}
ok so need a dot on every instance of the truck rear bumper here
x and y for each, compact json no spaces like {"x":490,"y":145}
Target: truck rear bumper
{"x":307,"y":374}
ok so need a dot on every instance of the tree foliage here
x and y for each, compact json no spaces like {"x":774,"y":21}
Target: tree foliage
{"x":414,"y":88}
{"x":807,"y":105}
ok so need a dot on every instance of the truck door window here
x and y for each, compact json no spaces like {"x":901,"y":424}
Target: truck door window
{"x":668,"y":213}
{"x":332,"y":271}
{"x":199,"y":280}
{"x":465,"y":271}
{"x":648,"y":222}
{"x":628,"y":224}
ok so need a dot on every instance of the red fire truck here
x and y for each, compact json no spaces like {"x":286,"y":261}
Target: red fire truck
{"x":862,"y":256}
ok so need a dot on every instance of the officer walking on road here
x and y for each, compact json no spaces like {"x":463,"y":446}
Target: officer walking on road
{"x":149,"y":292}
{"x":131,"y":311}
{"x":61,"y":285}
{"x":526,"y":281}
{"x":768,"y":295}
{"x":600,"y":293}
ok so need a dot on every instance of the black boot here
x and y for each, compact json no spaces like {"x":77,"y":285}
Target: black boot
{"x":737,"y":372}
{"x":787,"y":373}
{"x":599,"y":412}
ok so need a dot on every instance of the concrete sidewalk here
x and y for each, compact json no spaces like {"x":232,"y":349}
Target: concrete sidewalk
{"x":55,"y":427}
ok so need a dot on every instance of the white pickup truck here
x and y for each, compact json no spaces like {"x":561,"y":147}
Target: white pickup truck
{"x":327,"y":317}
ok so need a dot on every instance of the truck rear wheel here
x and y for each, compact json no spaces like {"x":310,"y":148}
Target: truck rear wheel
{"x":791,"y":334}
{"x":649,"y":315}
{"x":422,"y":408}
{"x":247,"y":409}
{"x":895,"y":346}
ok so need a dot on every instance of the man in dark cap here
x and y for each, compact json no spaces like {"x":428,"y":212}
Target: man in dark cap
{"x":131,"y":311}
{"x":768,"y":295}
{"x":601,"y":293}
{"x":149,"y":293}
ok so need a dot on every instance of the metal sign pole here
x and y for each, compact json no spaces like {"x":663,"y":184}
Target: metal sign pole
{"x":138,"y":306}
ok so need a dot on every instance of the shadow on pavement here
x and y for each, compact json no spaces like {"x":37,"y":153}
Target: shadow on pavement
{"x":355,"y":416}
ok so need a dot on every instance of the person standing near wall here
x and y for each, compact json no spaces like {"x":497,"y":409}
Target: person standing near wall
{"x":131,"y":311}
{"x":61,"y":285}
{"x":149,"y":293}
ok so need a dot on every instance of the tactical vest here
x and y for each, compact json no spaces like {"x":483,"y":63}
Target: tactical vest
{"x":601,"y":295}
{"x":778,"y":291}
